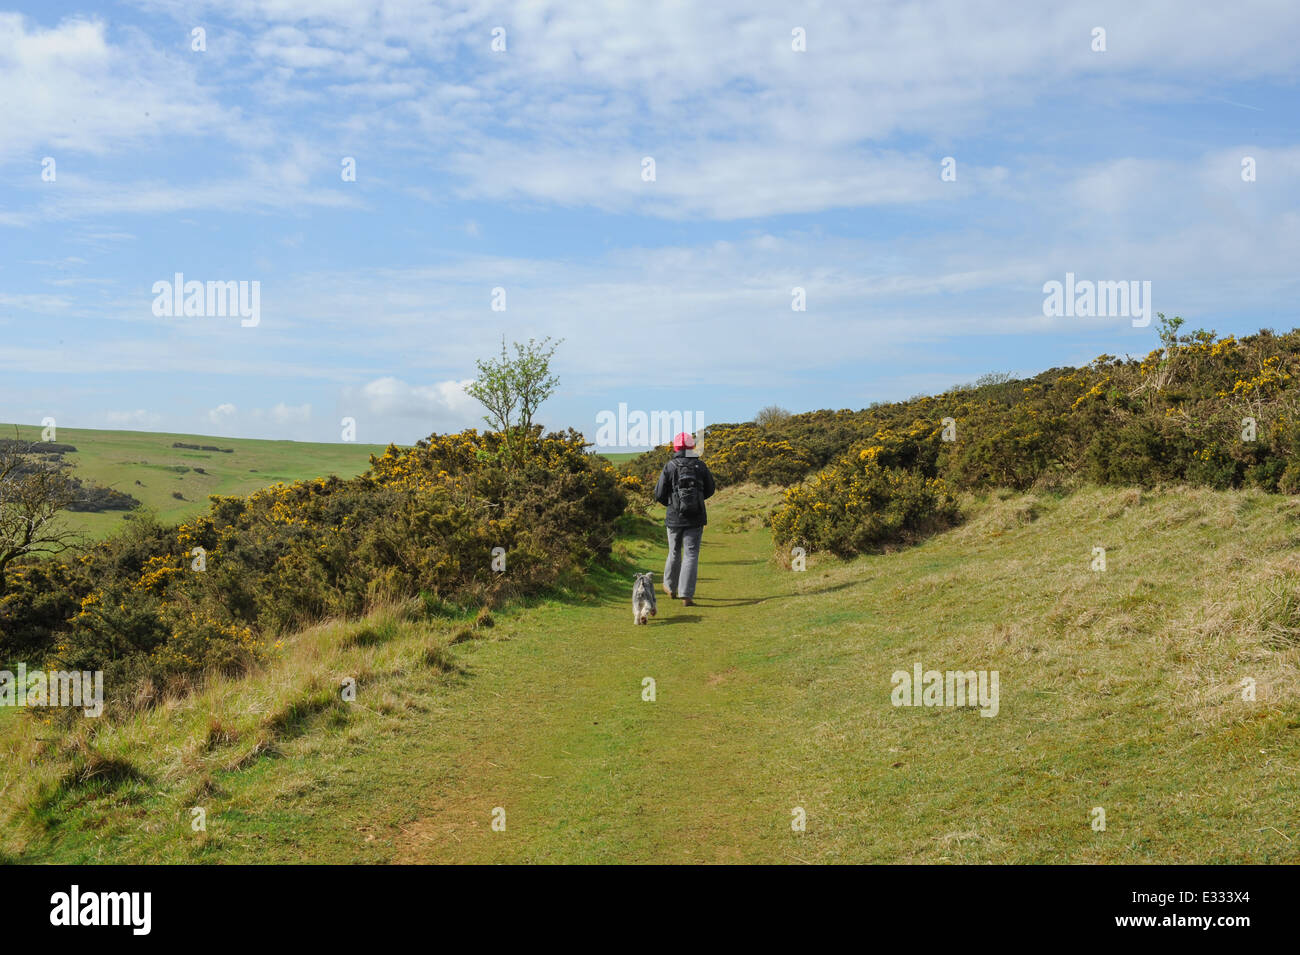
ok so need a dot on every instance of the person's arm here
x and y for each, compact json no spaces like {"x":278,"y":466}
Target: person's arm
{"x":709,"y":486}
{"x":661,"y":487}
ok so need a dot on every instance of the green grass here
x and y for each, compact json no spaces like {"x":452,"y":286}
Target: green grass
{"x":1118,"y":689}
{"x":146,"y":466}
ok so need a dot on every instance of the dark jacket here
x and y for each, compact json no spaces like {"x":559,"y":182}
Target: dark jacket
{"x":664,"y":492}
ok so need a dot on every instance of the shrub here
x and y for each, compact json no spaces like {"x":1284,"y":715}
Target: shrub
{"x":420,"y":526}
{"x":1200,"y":410}
{"x":735,"y":453}
{"x":41,"y":597}
{"x":742,"y":453}
{"x":859,"y":504}
{"x":771,"y":416}
{"x":1176,"y":414}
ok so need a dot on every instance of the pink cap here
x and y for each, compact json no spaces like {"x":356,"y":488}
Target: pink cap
{"x":682,"y":441}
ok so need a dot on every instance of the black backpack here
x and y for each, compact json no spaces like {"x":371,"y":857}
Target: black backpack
{"x":686,"y":488}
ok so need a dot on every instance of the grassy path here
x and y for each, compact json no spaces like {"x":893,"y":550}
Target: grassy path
{"x":775,"y":693}
{"x":587,"y":770}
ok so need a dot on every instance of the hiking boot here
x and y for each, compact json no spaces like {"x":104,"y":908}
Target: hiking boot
{"x":688,"y":602}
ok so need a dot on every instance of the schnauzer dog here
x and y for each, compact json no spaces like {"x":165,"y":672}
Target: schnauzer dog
{"x":643,"y":598}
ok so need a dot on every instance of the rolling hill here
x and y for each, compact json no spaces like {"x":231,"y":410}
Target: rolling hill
{"x":149,"y":467}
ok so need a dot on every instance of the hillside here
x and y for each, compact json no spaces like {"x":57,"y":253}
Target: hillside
{"x":147,"y":466}
{"x":1119,"y":689}
{"x":1201,"y":410}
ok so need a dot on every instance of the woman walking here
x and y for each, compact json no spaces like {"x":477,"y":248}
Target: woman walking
{"x":683,"y":485}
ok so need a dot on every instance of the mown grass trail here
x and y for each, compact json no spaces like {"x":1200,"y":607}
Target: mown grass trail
{"x":1119,"y":690}
{"x":589,"y":771}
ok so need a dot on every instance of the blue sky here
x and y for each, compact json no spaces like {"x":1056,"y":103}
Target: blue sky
{"x":522,"y":169}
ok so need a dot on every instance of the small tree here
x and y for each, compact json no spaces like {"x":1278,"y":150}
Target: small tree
{"x":512,"y":389}
{"x":1169,"y":332}
{"x":1170,"y":338}
{"x":32,"y":493}
{"x":771,"y":416}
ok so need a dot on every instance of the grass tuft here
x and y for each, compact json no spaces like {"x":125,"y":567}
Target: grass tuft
{"x":440,"y":659}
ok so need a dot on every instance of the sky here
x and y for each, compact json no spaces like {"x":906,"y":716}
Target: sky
{"x":649,"y":182}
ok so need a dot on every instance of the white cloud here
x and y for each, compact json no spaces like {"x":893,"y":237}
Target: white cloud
{"x":444,"y":402}
{"x":45,"y":304}
{"x":138,"y":418}
{"x":49,"y":76}
{"x":286,"y":414}
{"x":740,"y":125}
{"x":222,"y":413}
{"x":282,"y":186}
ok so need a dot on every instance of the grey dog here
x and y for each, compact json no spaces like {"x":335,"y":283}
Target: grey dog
{"x":643,"y":598}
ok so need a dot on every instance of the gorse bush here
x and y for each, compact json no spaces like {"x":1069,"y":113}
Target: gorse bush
{"x":646,"y":467}
{"x":737,"y":453}
{"x":163,"y":605}
{"x":40,"y":598}
{"x":1178,"y":414}
{"x":748,"y":453}
{"x":1201,"y":410}
{"x":877,"y":496}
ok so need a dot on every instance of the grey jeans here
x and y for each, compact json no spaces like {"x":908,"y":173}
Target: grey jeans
{"x":683,"y":560}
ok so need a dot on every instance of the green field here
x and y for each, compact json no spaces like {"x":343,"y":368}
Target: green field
{"x":621,"y":457}
{"x":146,"y":466}
{"x":1119,"y":689}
